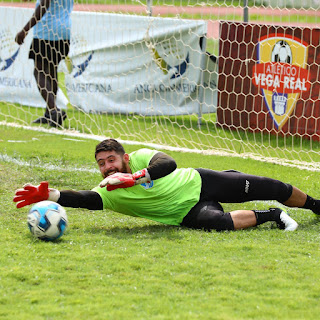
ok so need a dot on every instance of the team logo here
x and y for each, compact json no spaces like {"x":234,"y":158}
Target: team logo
{"x":9,"y":50}
{"x":171,"y":57}
{"x":80,"y":57}
{"x":281,"y":74}
{"x":147,"y":185}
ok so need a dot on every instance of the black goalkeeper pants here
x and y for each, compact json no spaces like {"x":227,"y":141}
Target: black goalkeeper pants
{"x":230,"y":187}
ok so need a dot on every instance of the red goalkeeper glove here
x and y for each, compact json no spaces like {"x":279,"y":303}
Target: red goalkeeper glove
{"x":125,"y":180}
{"x":33,"y":194}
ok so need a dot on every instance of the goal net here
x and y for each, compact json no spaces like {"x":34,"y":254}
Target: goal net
{"x":214,"y":77}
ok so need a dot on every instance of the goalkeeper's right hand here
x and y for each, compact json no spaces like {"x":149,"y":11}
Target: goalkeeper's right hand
{"x":32,"y":194}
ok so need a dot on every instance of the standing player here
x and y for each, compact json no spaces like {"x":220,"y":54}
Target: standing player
{"x":147,"y":184}
{"x":51,"y":23}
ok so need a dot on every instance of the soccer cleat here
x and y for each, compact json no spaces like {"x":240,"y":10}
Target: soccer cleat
{"x":286,"y":223}
{"x":56,"y":118}
{"x":42,"y":120}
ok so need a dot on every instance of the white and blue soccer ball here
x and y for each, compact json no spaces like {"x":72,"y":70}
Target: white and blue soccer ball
{"x":47,"y":220}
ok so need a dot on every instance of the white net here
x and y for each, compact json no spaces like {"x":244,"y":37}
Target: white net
{"x":237,"y":78}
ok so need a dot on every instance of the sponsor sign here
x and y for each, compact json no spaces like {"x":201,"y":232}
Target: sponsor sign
{"x":281,"y":74}
{"x":273,"y":82}
{"x":135,"y":64}
{"x":116,"y":64}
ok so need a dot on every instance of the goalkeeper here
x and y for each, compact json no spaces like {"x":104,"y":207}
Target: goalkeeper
{"x":147,"y":184}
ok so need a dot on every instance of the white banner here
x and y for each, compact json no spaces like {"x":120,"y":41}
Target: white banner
{"x":134,"y":64}
{"x":289,"y":4}
{"x":17,"y":83}
{"x":119,"y":64}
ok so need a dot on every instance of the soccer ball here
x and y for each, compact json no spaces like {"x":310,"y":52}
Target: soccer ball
{"x":47,"y":220}
{"x":281,"y":52}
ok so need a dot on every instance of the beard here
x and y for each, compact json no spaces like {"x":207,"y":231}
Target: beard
{"x":123,"y":169}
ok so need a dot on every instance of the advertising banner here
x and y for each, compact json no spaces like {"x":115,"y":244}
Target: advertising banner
{"x":135,"y":64}
{"x":117,"y":64}
{"x":273,"y":84}
{"x":289,"y":4}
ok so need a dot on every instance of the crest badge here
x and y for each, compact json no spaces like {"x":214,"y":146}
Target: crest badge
{"x":281,"y":73}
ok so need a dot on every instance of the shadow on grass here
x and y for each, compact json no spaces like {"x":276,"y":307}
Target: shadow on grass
{"x":147,"y":231}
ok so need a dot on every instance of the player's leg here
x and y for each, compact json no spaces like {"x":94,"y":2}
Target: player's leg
{"x":59,"y":51}
{"x":44,"y":75}
{"x":282,"y":219}
{"x":47,"y":59}
{"x":45,"y":82}
{"x":297,"y":198}
{"x":235,"y":187}
{"x":209,"y":215}
{"x":243,"y":219}
{"x":36,"y":53}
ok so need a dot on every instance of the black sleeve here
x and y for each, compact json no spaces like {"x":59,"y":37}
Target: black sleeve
{"x":161,"y":165}
{"x":81,"y":199}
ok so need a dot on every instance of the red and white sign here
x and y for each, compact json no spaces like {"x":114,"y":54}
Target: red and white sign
{"x":269,"y":79}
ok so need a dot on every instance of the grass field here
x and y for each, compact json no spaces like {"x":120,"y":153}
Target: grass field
{"x":110,"y":266}
{"x":176,"y":131}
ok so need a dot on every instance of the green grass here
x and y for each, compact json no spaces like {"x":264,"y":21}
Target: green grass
{"x":111,"y":266}
{"x":176,"y":131}
{"x":181,"y":131}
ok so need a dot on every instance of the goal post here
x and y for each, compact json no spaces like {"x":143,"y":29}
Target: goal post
{"x":178,"y":74}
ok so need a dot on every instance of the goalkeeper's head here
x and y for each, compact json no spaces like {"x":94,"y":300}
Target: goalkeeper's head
{"x":111,"y":158}
{"x":109,"y":145}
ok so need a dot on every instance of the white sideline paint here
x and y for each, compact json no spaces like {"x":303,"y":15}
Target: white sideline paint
{"x":302,"y":165}
{"x":42,"y":165}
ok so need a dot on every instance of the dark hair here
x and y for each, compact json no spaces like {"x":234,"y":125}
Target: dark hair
{"x":109,"y":145}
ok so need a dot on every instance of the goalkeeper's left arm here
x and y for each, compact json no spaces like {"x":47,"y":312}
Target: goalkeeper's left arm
{"x":30,"y":194}
{"x":160,"y":165}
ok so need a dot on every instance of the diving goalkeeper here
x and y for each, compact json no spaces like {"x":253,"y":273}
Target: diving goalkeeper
{"x":147,"y":184}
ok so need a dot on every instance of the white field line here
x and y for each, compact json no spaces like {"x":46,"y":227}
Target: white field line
{"x":302,"y":165}
{"x":48,"y":166}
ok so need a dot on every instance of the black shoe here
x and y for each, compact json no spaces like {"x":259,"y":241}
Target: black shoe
{"x":56,"y":118}
{"x":42,"y":120}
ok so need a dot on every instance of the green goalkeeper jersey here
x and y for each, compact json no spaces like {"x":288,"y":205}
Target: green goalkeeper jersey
{"x":165,"y":200}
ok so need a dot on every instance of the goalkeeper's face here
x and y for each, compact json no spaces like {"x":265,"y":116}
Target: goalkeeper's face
{"x":110,"y":162}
